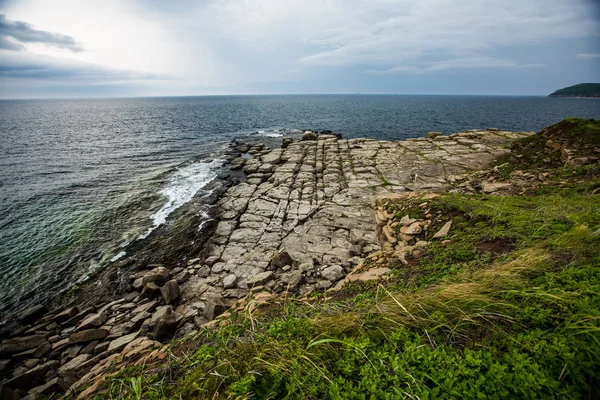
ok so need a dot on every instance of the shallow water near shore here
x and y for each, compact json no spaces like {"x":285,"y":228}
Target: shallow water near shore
{"x":81,"y":178}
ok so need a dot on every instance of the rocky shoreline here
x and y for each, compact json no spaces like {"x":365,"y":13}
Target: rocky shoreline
{"x":296,"y":220}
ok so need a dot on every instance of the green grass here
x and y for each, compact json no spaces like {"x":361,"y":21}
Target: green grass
{"x":525,"y":324}
{"x":509,"y":309}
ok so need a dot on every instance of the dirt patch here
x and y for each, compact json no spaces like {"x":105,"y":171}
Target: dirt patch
{"x":187,"y":348}
{"x":497,"y":247}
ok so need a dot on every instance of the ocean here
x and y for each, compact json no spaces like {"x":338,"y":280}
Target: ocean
{"x":81,"y":179}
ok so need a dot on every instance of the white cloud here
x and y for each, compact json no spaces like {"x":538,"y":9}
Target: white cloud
{"x":587,"y":55}
{"x":221,"y":45}
{"x":457,"y":63}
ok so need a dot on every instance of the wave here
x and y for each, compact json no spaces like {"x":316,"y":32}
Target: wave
{"x":181,"y":188}
{"x":273,"y":133}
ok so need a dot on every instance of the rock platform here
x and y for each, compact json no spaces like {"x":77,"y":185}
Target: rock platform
{"x":303,"y":218}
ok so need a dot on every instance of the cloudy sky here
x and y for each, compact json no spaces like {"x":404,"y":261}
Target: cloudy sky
{"x":81,"y":48}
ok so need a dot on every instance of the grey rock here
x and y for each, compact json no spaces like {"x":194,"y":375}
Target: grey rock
{"x":204,"y":271}
{"x":66,"y":314}
{"x":260,"y":278}
{"x":150,"y":289}
{"x":32,"y":378}
{"x":41,"y":351}
{"x":355,"y":250}
{"x":443,"y":232}
{"x":88,"y":335}
{"x":70,"y":353}
{"x":32,"y":314}
{"x":160,"y":311}
{"x":159,"y":275}
{"x":93,"y":321}
{"x":237,"y":163}
{"x":281,"y":259}
{"x":333,"y":273}
{"x":138,"y":283}
{"x":308,"y":135}
{"x":323,"y":284}
{"x":432,"y":135}
{"x":214,"y":308}
{"x":170,"y":291}
{"x":166,"y":326}
{"x":182,"y":277}
{"x":55,"y":385}
{"x":120,"y":343}
{"x":211,"y":260}
{"x":292,"y":279}
{"x":31,"y":363}
{"x":229,"y":281}
{"x":5,"y":366}
{"x":19,"y":344}
{"x":101,"y":348}
{"x":146,"y":307}
{"x":89,"y":348}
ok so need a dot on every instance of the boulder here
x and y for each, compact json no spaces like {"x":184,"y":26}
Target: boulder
{"x":170,"y":291}
{"x":309,"y":135}
{"x":237,"y":163}
{"x":204,"y":271}
{"x":32,"y":314}
{"x":160,"y":311}
{"x":146,"y":307}
{"x":215,"y":307}
{"x":20,"y":344}
{"x":159,"y":275}
{"x":120,"y":343}
{"x":281,"y":259}
{"x":74,"y":365}
{"x":38,"y":352}
{"x":211,"y":260}
{"x":5,"y":366}
{"x":150,"y":289}
{"x":333,"y":273}
{"x":285,"y":142}
{"x":442,"y":233}
{"x":182,"y":277}
{"x":138,"y":283}
{"x":32,"y":378}
{"x":81,"y":314}
{"x":412,"y":229}
{"x":431,"y":135}
{"x":165,"y":327}
{"x":260,"y":278}
{"x":88,"y":336}
{"x":292,"y":279}
{"x":229,"y":281}
{"x":92,"y":321}
{"x":324,"y":284}
{"x":53,"y":386}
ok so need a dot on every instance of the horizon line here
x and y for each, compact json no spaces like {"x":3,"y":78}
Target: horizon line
{"x":265,"y":94}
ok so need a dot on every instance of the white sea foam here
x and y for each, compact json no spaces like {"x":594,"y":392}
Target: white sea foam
{"x":181,"y":188}
{"x":118,"y":256}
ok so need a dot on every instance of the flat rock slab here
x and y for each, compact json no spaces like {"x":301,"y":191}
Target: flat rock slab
{"x":311,"y":203}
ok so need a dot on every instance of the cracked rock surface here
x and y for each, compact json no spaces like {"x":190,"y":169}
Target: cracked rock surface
{"x":312,"y":201}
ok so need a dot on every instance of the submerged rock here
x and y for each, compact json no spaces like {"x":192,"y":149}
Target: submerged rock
{"x":32,"y":314}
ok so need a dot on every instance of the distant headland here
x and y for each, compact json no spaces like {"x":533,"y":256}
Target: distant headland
{"x":580,"y":90}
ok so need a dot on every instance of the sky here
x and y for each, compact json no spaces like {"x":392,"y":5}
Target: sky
{"x":123,"y":48}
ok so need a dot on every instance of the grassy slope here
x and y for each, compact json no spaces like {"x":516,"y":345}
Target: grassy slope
{"x":510,"y":309}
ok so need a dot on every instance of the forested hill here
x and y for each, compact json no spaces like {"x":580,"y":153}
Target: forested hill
{"x":581,"y":90}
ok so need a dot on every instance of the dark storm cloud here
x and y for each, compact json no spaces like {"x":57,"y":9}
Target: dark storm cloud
{"x":21,"y":32}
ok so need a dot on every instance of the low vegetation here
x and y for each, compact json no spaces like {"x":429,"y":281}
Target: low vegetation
{"x":508,"y":308}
